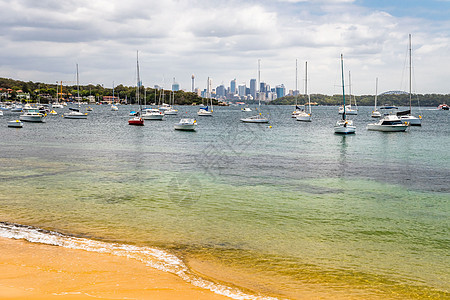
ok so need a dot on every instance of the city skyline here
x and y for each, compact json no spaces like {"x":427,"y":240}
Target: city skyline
{"x":43,"y":41}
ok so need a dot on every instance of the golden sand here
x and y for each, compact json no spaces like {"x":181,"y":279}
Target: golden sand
{"x":37,"y":271}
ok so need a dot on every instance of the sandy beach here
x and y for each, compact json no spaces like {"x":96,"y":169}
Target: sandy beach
{"x":37,"y":271}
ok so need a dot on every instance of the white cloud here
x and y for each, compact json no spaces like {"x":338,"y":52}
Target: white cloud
{"x":42,"y":41}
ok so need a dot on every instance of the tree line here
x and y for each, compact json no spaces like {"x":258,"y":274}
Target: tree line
{"x":367,"y":100}
{"x":39,"y":89}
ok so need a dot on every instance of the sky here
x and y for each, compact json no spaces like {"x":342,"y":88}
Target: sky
{"x":43,"y":40}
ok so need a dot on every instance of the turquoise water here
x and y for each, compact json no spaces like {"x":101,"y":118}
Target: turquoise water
{"x":284,"y":211}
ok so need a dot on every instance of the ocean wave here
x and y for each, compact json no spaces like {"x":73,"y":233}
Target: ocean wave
{"x":152,"y":257}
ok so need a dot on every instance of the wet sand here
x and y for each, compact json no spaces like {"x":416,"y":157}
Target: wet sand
{"x":38,"y":271}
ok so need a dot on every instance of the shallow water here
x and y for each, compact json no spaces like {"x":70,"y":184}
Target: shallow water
{"x":290,"y":211}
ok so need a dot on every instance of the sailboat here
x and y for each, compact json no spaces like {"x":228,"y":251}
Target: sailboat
{"x":298,"y":109}
{"x":344,"y":126}
{"x":137,"y":120}
{"x":113,"y":104}
{"x":75,"y":113}
{"x":303,"y":115}
{"x":153,"y":114}
{"x":170,"y":109}
{"x":207,"y":111}
{"x":258,"y":118}
{"x":348,"y":109}
{"x":406,"y":115}
{"x":375,"y":112}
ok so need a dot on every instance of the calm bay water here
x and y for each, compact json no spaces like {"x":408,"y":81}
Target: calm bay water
{"x":289,"y":211}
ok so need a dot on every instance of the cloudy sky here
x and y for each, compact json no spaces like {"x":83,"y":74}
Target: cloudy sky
{"x":44,"y":40}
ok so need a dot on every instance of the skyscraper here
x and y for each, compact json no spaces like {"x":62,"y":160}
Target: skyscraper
{"x":280,"y":90}
{"x":233,"y":86}
{"x":242,"y":89}
{"x":193,"y":78}
{"x":253,"y":88}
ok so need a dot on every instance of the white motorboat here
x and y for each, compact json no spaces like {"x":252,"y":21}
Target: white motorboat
{"x":246,"y":109}
{"x":114,"y":107}
{"x":186,"y":125}
{"x":32,"y":115}
{"x":75,"y":113}
{"x":1,"y":112}
{"x":410,"y":119}
{"x":57,"y":105}
{"x":389,"y":123}
{"x":15,"y":124}
{"x":344,"y":126}
{"x":152,"y":114}
{"x":16,"y":108}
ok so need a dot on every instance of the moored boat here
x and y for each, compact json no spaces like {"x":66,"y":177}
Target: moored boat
{"x":32,"y":115}
{"x":186,"y":125}
{"x":15,"y":124}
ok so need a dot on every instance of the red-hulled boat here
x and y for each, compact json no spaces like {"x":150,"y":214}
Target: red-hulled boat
{"x":136,"y":121}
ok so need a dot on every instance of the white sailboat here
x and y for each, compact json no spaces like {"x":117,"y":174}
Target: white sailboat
{"x":75,"y":113}
{"x":207,"y":111}
{"x":136,"y":119}
{"x":344,"y":126}
{"x":257,"y":118}
{"x":171,"y":110}
{"x":349,"y":110}
{"x":303,"y":115}
{"x":298,"y":109}
{"x":375,"y":112}
{"x":406,"y":115}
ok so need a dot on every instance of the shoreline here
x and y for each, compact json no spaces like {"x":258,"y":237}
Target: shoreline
{"x":31,"y":270}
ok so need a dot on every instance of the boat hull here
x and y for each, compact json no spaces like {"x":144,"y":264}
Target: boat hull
{"x":15,"y":124}
{"x":304,"y":117}
{"x":32,"y":118}
{"x":70,"y":116}
{"x":387,"y":128}
{"x":250,"y":120}
{"x":184,"y":127}
{"x":413,"y":121}
{"x":153,"y":117}
{"x":345,"y":130}
{"x":136,"y":122}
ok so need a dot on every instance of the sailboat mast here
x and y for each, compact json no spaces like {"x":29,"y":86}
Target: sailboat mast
{"x":376,"y":93}
{"x":296,"y":84}
{"x":306,"y":86}
{"x":78,"y":86}
{"x":259,"y":83}
{"x":350,"y":88}
{"x":410,"y":73}
{"x":343,"y":88}
{"x":138,"y":80}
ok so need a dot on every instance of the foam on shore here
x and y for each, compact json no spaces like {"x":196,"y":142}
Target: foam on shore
{"x":152,"y":257}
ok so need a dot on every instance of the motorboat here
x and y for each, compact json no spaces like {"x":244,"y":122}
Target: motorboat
{"x":136,"y":120}
{"x":246,"y":109}
{"x":57,"y":105}
{"x":186,"y":125}
{"x":152,"y":114}
{"x":89,"y":108}
{"x":171,"y":111}
{"x":75,"y":113}
{"x":114,"y":107}
{"x":410,"y":119}
{"x":389,"y":123}
{"x":443,"y":107}
{"x":15,"y":124}
{"x":16,"y":108}
{"x":32,"y":115}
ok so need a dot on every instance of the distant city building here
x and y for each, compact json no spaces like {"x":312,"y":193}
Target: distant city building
{"x":220,"y":91}
{"x":253,"y":88}
{"x":280,"y":90}
{"x":233,"y":86}
{"x":241,"y":90}
{"x":175,"y":87}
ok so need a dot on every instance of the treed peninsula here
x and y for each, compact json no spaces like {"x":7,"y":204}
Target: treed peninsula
{"x":12,"y":90}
